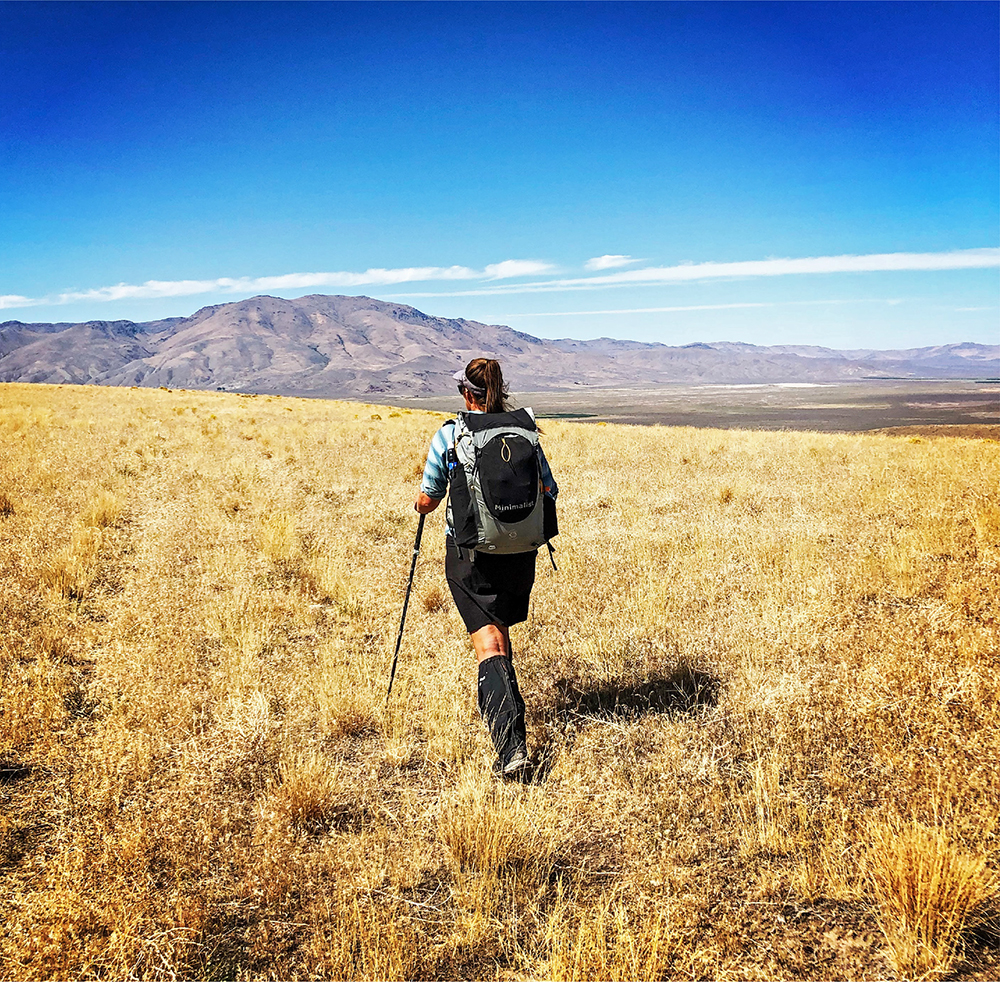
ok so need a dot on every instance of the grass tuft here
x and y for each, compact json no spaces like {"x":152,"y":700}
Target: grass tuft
{"x":609,"y":941}
{"x":927,"y":888}
{"x":103,"y":510}
{"x":495,"y":830}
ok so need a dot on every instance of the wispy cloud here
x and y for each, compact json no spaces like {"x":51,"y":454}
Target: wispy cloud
{"x":688,"y":272}
{"x":879,"y":262}
{"x":11,"y":301}
{"x":286,"y":281}
{"x":151,"y":289}
{"x":514,"y":267}
{"x":700,"y":306}
{"x":609,"y":262}
{"x":511,"y":269}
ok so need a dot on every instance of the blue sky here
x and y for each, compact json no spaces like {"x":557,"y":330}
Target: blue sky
{"x":771,"y":173}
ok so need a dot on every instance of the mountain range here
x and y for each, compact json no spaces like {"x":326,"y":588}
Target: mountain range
{"x":353,"y":347}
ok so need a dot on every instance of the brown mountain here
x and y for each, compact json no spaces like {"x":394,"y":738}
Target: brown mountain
{"x":357,"y":346}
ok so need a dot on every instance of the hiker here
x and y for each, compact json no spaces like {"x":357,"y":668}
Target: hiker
{"x":491,"y":581}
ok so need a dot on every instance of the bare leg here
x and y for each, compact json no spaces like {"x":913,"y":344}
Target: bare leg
{"x":491,"y":640}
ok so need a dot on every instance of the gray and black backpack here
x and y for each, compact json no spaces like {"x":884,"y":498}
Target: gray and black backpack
{"x":495,"y":498}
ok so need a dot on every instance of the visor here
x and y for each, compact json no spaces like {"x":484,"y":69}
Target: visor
{"x":459,"y":377}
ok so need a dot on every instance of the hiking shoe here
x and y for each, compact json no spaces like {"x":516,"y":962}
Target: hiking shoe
{"x":516,"y":768}
{"x":517,"y":764}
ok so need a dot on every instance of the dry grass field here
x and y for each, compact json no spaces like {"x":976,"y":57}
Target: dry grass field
{"x":763,"y":702}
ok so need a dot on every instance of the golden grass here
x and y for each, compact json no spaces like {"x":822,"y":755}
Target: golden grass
{"x":607,"y":941}
{"x":926,"y":887}
{"x":495,"y":830}
{"x":763,"y":694}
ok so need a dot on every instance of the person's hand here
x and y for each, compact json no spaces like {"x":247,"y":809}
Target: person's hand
{"x":425,"y":504}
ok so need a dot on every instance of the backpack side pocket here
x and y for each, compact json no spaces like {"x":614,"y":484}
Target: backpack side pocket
{"x":461,"y":513}
{"x":550,"y":524}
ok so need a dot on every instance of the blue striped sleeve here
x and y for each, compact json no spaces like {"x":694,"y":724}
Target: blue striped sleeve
{"x":435,"y":480}
{"x":548,"y":481}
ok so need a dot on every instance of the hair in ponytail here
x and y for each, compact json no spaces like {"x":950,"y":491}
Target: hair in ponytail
{"x":484,"y":373}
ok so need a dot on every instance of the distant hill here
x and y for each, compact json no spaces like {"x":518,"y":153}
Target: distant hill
{"x":356,"y":346}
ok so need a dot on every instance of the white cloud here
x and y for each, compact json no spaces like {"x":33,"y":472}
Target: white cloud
{"x":609,"y":262}
{"x":687,"y":272}
{"x":12,"y":300}
{"x":700,"y":306}
{"x":879,"y":262}
{"x":303,"y":281}
{"x":151,"y":289}
{"x":286,"y":281}
{"x":516,"y":267}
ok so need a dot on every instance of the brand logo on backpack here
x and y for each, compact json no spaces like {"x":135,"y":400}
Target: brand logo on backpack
{"x":495,"y":499}
{"x":519,"y":507}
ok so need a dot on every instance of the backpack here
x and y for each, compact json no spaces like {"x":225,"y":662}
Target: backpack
{"x":495,"y":498}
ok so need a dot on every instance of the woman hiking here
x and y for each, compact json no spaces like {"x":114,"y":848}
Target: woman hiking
{"x":491,"y":584}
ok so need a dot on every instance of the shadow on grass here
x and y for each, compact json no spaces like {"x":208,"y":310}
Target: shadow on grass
{"x":10,"y":772}
{"x":982,"y":937}
{"x":684,"y":691}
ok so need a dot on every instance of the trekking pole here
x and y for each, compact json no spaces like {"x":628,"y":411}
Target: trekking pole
{"x":406,"y":603}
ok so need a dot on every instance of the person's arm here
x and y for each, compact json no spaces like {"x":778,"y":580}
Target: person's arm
{"x":434,"y":483}
{"x":548,"y":481}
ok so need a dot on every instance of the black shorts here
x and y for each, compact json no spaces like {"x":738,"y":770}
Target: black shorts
{"x":489,"y":589}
